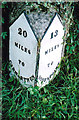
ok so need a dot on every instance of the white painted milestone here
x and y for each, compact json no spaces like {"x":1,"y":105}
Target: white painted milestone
{"x":50,"y":51}
{"x":23,"y":47}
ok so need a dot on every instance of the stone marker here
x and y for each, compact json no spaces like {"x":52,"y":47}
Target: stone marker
{"x":51,"y":51}
{"x":23,"y":49}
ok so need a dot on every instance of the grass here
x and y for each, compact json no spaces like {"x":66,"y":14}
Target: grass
{"x":58,"y":100}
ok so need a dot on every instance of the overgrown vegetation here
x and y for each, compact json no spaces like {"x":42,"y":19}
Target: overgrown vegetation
{"x":57,"y":100}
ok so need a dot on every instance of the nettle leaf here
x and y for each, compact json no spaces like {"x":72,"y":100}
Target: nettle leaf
{"x":71,"y":37}
{"x":77,"y":31}
{"x":26,"y":3}
{"x":4,"y":4}
{"x":72,"y":48}
{"x":44,"y":117}
{"x":75,"y":36}
{"x":45,"y":90}
{"x":2,"y":20}
{"x":31,"y":90}
{"x":4,"y":34}
{"x":77,"y":42}
{"x":67,"y":48}
{"x":45,"y":4}
{"x":78,"y":26}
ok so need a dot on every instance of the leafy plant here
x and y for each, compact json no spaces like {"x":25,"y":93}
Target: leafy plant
{"x":3,"y":35}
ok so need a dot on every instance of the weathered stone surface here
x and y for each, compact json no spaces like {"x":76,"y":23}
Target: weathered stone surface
{"x":40,"y":22}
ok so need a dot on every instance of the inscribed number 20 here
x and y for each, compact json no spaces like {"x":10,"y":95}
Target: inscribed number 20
{"x":54,"y":34}
{"x":22,"y":32}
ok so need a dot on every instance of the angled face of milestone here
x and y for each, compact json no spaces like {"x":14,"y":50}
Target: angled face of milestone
{"x":50,"y":51}
{"x":22,"y":47}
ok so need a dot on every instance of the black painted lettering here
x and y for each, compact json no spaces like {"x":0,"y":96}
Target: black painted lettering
{"x":19,"y":31}
{"x":21,"y":77}
{"x":24,"y":79}
{"x":44,"y":79}
{"x":29,"y":52}
{"x":47,"y":78}
{"x":52,"y":63}
{"x":22,"y":48}
{"x":18,"y":76}
{"x":16,"y":73}
{"x":48,"y":64}
{"x":46,"y":52}
{"x":52,"y":73}
{"x":23,"y":64}
{"x":16,"y":44}
{"x":11,"y":65}
{"x":58,"y":64}
{"x":19,"y":61}
{"x":52,"y":49}
{"x":56,"y":33}
{"x":55,"y":47}
{"x":26,"y":50}
{"x":19,"y":46}
{"x":54,"y":70}
{"x":51,"y":35}
{"x":56,"y":67}
{"x":27,"y":80}
{"x":24,"y":33}
{"x":13,"y":69}
{"x":49,"y":50}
